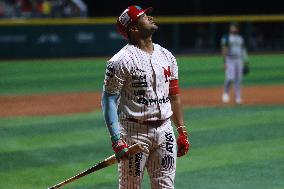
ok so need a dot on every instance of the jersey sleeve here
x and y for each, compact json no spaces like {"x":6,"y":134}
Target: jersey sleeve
{"x":225,"y":40}
{"x":174,"y":68}
{"x":114,"y":77}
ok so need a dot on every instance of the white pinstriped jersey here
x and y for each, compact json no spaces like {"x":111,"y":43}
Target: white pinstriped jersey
{"x":142,"y":80}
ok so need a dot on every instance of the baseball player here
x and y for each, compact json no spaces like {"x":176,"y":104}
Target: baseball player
{"x":235,"y":55}
{"x":140,"y":95}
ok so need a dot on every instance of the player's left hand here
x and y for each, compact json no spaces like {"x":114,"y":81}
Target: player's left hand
{"x":183,"y":144}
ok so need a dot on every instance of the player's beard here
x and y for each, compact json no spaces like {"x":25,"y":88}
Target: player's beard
{"x":149,"y":31}
{"x":154,"y":28}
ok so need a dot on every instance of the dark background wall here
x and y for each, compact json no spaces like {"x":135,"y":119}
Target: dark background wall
{"x":189,"y":7}
{"x":76,"y":39}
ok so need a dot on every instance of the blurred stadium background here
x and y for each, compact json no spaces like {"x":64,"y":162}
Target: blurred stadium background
{"x":52,"y":64}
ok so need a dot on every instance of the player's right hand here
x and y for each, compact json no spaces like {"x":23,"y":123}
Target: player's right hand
{"x":120,"y":149}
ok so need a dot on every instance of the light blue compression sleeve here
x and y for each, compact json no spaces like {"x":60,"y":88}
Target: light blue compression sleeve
{"x":109,"y":106}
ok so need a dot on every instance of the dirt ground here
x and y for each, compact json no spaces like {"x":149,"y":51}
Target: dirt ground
{"x":67,"y":103}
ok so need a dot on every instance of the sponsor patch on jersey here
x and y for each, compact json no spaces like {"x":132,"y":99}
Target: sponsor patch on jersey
{"x":110,"y":71}
{"x":139,"y":77}
{"x":169,"y":142}
{"x":139,"y":92}
{"x":139,"y":84}
{"x":150,"y":101}
{"x":168,"y":162}
{"x":138,"y":159}
{"x":137,"y":71}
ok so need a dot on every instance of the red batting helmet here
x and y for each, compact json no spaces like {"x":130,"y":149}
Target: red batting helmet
{"x":128,"y":16}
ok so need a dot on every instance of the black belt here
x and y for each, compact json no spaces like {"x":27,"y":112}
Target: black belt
{"x":154,"y":123}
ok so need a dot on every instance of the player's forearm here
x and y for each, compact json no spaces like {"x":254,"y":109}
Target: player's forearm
{"x":109,"y":106}
{"x":176,"y":105}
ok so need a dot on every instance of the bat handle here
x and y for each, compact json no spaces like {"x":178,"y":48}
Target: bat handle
{"x":136,"y":148}
{"x":108,"y":161}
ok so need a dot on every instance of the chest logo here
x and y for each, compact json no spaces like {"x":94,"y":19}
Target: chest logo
{"x":167,"y":73}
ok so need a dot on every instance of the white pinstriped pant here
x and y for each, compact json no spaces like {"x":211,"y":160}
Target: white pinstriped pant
{"x":160,"y":162}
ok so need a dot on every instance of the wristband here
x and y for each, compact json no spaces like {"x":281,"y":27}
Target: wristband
{"x":115,"y":137}
{"x":182,"y":131}
{"x":180,"y":127}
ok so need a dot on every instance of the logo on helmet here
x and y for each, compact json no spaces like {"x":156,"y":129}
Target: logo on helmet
{"x":124,"y":18}
{"x":139,"y":8}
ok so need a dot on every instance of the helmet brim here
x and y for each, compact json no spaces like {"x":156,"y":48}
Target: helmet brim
{"x":148,"y":10}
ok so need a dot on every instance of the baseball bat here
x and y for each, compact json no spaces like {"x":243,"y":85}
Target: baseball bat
{"x":105,"y":163}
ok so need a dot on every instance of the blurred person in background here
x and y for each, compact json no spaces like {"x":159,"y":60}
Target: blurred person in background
{"x":74,"y":8}
{"x":43,"y":8}
{"x":8,"y":9}
{"x":235,"y":56}
{"x":46,"y":8}
{"x":25,"y":8}
{"x":82,"y":7}
{"x":2,"y":9}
